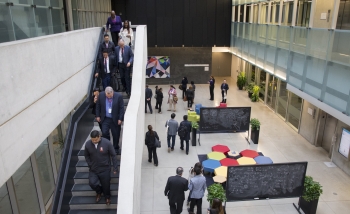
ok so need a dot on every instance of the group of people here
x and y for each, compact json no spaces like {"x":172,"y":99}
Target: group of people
{"x":176,"y":187}
{"x":224,"y":88}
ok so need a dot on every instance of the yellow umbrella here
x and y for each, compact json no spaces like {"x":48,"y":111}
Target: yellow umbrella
{"x":246,"y":161}
{"x":216,"y":156}
{"x":222,"y":171}
{"x":219,"y":179}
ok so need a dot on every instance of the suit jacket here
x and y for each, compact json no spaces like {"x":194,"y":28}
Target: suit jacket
{"x":128,"y":55}
{"x":112,"y":66}
{"x":173,"y":125}
{"x":117,"y":107}
{"x":110,"y":49}
{"x":175,"y":188}
{"x":148,"y":93}
{"x":189,"y":127}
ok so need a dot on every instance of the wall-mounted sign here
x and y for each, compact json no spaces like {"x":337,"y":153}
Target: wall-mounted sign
{"x":344,"y":146}
{"x":206,"y":68}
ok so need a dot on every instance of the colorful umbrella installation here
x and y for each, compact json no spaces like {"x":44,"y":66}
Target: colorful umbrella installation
{"x":216,"y":155}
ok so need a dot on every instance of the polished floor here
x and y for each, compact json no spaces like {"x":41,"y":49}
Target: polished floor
{"x":277,"y":140}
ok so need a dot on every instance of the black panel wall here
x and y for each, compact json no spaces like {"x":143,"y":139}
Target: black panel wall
{"x":173,"y":23}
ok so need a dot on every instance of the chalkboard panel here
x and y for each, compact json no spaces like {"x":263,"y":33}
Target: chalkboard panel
{"x":229,"y":119}
{"x":285,"y":180}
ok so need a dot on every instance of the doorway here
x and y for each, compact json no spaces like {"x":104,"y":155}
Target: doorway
{"x":343,"y":21}
{"x":328,"y":130}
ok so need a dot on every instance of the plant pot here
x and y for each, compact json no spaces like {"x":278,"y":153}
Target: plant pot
{"x":240,"y":87}
{"x":250,"y":94}
{"x":308,"y":207}
{"x":254,"y":136}
{"x":194,"y":137}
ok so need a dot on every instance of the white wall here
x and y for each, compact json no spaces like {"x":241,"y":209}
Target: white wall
{"x":133,"y":132}
{"x":42,"y":79}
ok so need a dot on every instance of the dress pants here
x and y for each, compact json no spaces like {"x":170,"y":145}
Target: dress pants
{"x":148,"y":102}
{"x":115,"y":37}
{"x":108,"y":124}
{"x":106,"y":81}
{"x":171,"y":103}
{"x":183,"y":91}
{"x":189,"y":102}
{"x":125,"y":77}
{"x":196,"y":202}
{"x":152,"y":150}
{"x":104,"y":178}
{"x":223,"y":95}
{"x":159,"y":105}
{"x":172,"y":142}
{"x":176,"y":207}
{"x":211,"y":90}
{"x":187,"y":145}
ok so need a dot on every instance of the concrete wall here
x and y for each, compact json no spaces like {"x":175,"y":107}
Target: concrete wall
{"x":322,"y":6}
{"x":42,"y":81}
{"x":129,"y":199}
{"x":221,"y":64}
{"x":178,"y":58}
{"x":308,"y":124}
{"x":235,"y":66}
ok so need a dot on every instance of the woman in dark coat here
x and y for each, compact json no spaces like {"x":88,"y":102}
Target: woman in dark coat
{"x":190,"y":96}
{"x":150,"y":140}
{"x":184,"y":83}
{"x":159,"y":100}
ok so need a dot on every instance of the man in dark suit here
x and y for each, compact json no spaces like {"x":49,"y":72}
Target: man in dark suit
{"x":107,"y":67}
{"x":110,"y":113}
{"x":106,"y":45}
{"x":175,"y":190}
{"x":125,"y":58}
{"x":188,"y":126}
{"x":148,"y":97}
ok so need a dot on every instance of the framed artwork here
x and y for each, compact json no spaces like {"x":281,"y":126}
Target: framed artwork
{"x":158,"y":67}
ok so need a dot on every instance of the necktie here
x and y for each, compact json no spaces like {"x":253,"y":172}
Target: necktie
{"x":105,"y":65}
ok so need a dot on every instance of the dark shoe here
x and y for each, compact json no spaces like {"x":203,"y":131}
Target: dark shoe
{"x":151,"y":112}
{"x":186,"y":153}
{"x":150,"y":161}
{"x":98,"y":198}
{"x":188,"y":209}
{"x":108,"y":201}
{"x":156,"y":164}
{"x":181,"y":148}
{"x":172,"y":149}
{"x":156,"y":108}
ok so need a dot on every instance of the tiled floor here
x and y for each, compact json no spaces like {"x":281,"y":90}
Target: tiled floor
{"x":277,"y":140}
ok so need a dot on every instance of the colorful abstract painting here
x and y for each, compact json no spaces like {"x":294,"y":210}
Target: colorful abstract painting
{"x":158,"y":67}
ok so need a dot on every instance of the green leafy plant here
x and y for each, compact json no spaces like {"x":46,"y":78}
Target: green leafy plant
{"x":216,"y":191}
{"x":312,"y":189}
{"x":255,"y":95}
{"x":250,"y":87}
{"x":241,"y":80}
{"x":255,"y":124}
{"x":195,"y":125}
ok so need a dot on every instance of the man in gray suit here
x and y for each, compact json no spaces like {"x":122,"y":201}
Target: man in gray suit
{"x":125,"y":58}
{"x":172,"y":126}
{"x":148,"y":97}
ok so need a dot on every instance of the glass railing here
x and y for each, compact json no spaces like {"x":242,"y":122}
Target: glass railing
{"x":317,"y":61}
{"x":238,"y":2}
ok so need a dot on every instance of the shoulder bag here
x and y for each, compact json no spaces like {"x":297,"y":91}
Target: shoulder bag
{"x":157,"y":143}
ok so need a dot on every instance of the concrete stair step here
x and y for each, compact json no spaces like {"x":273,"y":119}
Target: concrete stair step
{"x":85,"y":190}
{"x":89,"y":203}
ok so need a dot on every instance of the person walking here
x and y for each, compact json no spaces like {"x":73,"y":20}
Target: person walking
{"x":110,"y":113}
{"x":106,"y":45}
{"x":98,"y":154}
{"x":107,"y":67}
{"x":125,"y":58}
{"x":211,"y":87}
{"x":184,"y":133}
{"x":184,"y":83}
{"x":216,"y":207}
{"x":194,"y":90}
{"x":172,"y":100}
{"x":150,"y":141}
{"x":190,"y":96}
{"x":148,"y":97}
{"x":126,"y":33}
{"x":197,"y":186}
{"x":192,"y":173}
{"x":159,"y":100}
{"x":114,"y":23}
{"x":224,"y":88}
{"x":156,"y":94}
{"x":175,"y":190}
{"x":171,"y":126}
{"x":93,"y":102}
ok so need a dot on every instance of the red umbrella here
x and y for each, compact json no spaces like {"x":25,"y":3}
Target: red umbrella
{"x":249,"y":153}
{"x":220,"y":148}
{"x":229,"y":162}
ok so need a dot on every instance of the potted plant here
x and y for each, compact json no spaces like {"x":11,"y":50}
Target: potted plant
{"x":216,"y":191}
{"x":241,"y":80}
{"x":255,"y":95}
{"x":250,"y":89}
{"x":195,"y":126}
{"x":311,"y":193}
{"x":255,"y":129}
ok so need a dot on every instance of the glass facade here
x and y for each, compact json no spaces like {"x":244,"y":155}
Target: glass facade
{"x":5,"y":205}
{"x":22,"y":19}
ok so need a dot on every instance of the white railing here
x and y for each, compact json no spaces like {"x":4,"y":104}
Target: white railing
{"x":129,"y":194}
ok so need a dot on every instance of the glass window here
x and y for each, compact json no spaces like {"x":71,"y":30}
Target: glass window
{"x":5,"y":205}
{"x":57,"y":3}
{"x":294,"y":108}
{"x":43,"y":20}
{"x":29,"y":2}
{"x":23,"y":22}
{"x":25,"y":189}
{"x":287,"y":13}
{"x":303,"y":13}
{"x":252,"y":73}
{"x":43,"y":160}
{"x":271,"y":92}
{"x":56,"y":140}
{"x":42,"y":2}
{"x":262,"y":84}
{"x":264,"y":13}
{"x":58,"y":20}
{"x":6,"y":29}
{"x":282,"y":98}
